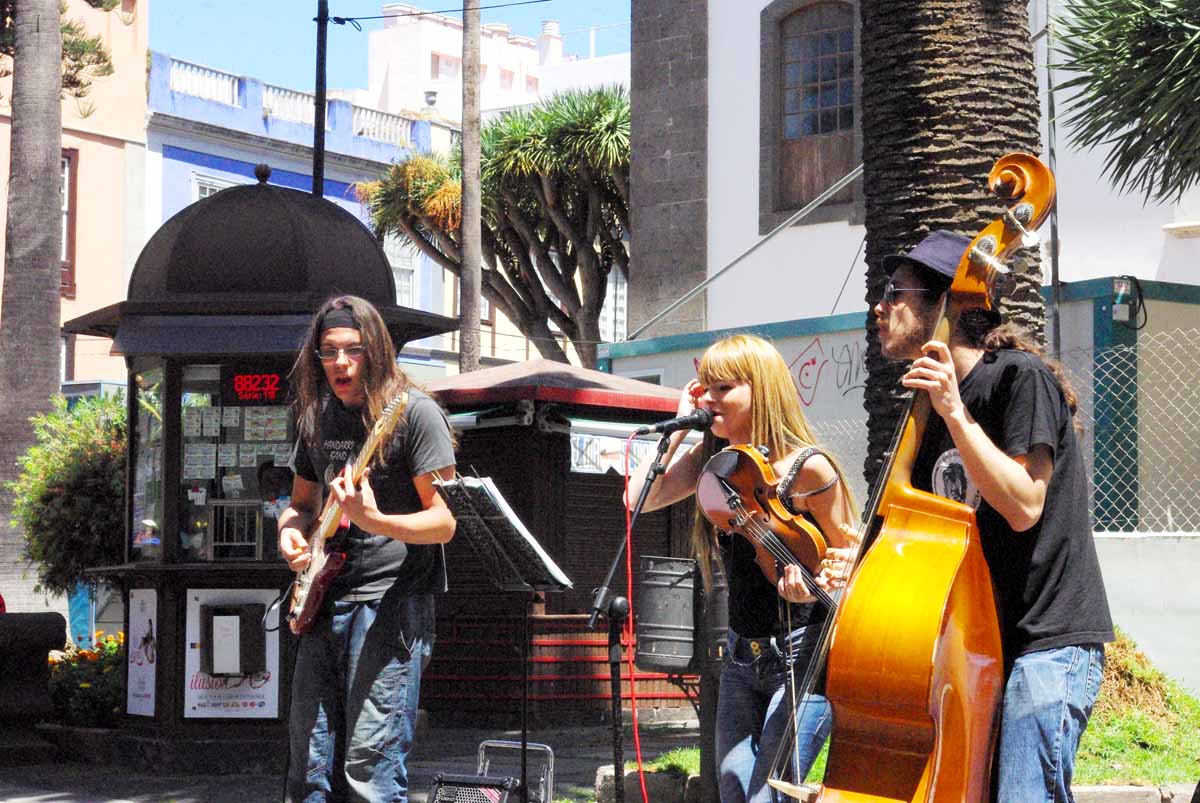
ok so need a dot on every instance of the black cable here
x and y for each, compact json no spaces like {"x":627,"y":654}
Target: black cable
{"x":1141,"y":307}
{"x":354,"y":20}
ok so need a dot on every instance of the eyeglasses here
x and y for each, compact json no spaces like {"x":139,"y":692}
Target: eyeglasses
{"x":890,"y":291}
{"x":330,"y":354}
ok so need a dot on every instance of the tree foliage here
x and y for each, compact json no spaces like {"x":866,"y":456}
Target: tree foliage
{"x":1133,"y":66}
{"x":84,"y":56}
{"x":555,"y":185}
{"x":68,"y":502}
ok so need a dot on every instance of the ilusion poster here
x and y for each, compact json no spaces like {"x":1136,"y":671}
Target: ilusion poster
{"x":142,"y":650}
{"x":242,"y":697}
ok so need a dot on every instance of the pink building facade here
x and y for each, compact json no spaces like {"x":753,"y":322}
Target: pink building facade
{"x":104,"y":145}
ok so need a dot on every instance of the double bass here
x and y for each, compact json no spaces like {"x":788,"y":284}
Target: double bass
{"x":914,"y":669}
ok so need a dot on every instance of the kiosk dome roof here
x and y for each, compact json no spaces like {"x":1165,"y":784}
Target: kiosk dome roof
{"x":259,"y":242}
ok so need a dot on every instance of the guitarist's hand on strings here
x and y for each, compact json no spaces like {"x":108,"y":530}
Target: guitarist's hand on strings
{"x":294,"y":548}
{"x":357,"y":504}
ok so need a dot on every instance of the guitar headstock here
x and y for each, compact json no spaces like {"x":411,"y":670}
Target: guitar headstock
{"x":383,"y":426}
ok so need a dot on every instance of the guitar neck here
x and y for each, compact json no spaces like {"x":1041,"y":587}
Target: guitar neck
{"x":332,"y":516}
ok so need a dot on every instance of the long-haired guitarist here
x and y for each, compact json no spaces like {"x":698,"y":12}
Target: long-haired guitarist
{"x":1004,"y":442}
{"x":358,"y":667}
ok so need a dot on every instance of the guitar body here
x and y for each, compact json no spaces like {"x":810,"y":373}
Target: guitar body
{"x":311,"y":585}
{"x":328,"y":532}
{"x":744,"y":470}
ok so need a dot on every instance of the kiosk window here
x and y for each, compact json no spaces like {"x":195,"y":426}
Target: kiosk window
{"x":237,"y":443}
{"x":145,"y":541}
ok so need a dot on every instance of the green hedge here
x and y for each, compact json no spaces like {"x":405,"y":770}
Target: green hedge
{"x":68,"y":502}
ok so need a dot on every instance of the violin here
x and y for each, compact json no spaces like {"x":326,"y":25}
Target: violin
{"x":914,"y":670}
{"x":738,"y":492}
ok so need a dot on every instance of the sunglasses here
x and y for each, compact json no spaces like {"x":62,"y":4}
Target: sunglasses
{"x":891,"y":291}
{"x":331,"y":354}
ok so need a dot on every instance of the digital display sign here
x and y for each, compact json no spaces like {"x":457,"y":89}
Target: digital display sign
{"x":256,"y":387}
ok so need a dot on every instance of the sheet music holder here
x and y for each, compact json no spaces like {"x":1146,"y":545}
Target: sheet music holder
{"x":515,"y":558}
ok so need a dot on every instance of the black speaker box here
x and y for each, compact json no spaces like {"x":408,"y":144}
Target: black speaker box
{"x":470,"y":789}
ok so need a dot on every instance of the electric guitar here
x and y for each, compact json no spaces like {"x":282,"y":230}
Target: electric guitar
{"x":326,"y":537}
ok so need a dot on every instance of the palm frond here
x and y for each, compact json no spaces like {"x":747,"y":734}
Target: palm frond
{"x":1133,"y":87}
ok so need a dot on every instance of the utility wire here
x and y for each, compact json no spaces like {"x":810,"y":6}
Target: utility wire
{"x":355,"y":20}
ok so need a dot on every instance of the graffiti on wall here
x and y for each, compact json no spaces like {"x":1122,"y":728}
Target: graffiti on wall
{"x":842,"y":369}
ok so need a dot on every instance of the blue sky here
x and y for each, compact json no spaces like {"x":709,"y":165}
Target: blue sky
{"x":275,"y":40}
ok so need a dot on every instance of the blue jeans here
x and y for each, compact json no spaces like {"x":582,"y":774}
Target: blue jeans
{"x":753,"y":713}
{"x":355,"y":687}
{"x":1047,"y":702}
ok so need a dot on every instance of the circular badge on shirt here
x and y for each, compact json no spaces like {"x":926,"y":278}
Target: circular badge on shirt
{"x":951,"y":481}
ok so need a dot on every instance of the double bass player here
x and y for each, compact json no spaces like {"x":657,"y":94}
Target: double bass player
{"x":1005,"y":423}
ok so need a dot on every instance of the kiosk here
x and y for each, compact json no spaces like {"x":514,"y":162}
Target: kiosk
{"x":218,"y":304}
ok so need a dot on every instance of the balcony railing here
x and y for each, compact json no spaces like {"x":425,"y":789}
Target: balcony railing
{"x":204,"y":82}
{"x":381,"y":126}
{"x":291,"y":105}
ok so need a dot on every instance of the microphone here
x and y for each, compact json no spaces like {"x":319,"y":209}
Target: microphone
{"x":697,"y":419}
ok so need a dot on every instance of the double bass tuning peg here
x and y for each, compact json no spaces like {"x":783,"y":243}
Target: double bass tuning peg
{"x":765,"y":451}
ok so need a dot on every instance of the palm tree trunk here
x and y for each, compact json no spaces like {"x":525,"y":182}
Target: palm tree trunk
{"x":29,"y":307}
{"x":948,"y":86}
{"x":471,"y":237}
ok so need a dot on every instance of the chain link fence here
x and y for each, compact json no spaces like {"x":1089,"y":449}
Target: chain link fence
{"x":1139,"y":407}
{"x":1139,"y":414}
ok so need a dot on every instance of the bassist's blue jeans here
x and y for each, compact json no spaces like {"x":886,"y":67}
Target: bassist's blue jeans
{"x":752,"y":716}
{"x":1048,"y":699}
{"x":355,"y":687}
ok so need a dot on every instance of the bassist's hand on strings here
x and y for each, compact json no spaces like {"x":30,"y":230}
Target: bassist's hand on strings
{"x":357,"y":504}
{"x":835,"y":568}
{"x":934,"y":373}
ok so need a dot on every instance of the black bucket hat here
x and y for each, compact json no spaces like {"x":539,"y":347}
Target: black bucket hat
{"x":940,"y":252}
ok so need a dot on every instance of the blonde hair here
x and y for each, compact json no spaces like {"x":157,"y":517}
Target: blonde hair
{"x":777,"y":418}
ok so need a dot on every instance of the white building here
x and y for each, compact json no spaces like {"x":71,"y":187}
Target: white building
{"x":726,"y":146}
{"x":416,"y":53}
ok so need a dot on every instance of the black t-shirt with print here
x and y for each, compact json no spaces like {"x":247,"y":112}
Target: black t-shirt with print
{"x":420,"y":443}
{"x":1047,"y":578}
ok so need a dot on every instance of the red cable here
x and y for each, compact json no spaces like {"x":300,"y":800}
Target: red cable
{"x":637,"y":742}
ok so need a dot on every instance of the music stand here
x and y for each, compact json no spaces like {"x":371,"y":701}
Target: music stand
{"x":516,"y":561}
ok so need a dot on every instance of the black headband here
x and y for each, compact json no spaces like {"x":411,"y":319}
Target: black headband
{"x":338,"y":318}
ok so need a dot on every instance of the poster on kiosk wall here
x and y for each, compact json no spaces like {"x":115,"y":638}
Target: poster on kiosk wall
{"x":253,"y":696}
{"x":142,"y":651}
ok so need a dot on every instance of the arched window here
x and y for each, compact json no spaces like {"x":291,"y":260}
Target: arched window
{"x":808,"y":104}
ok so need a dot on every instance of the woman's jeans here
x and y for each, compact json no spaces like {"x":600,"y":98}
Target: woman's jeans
{"x":753,"y":713}
{"x":1047,"y":702}
{"x":355,"y":687}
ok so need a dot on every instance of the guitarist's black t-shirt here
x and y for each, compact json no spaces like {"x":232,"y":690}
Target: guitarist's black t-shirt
{"x":1047,"y":578}
{"x":420,"y":443}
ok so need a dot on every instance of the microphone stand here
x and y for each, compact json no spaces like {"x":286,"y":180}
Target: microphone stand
{"x":617,"y":609}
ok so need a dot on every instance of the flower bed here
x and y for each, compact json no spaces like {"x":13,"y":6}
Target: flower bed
{"x":87,"y":687}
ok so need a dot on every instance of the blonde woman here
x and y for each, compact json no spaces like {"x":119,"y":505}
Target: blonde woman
{"x":745,"y":383}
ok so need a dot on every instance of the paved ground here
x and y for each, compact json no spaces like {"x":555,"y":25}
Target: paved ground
{"x":578,"y":752}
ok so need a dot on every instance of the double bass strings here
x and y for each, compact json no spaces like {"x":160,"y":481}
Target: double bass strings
{"x":790,"y":744}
